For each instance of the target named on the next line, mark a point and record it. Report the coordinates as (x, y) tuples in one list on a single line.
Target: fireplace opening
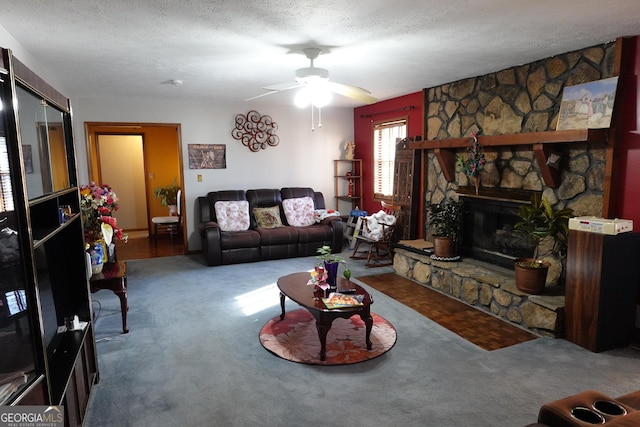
[(488, 228)]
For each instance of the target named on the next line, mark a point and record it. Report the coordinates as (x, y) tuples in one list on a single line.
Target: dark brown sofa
[(591, 408), (257, 244)]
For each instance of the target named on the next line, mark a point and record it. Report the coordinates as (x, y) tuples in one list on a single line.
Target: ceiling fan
[(316, 77)]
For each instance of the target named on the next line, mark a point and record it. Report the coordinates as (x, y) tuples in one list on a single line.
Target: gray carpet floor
[(193, 358)]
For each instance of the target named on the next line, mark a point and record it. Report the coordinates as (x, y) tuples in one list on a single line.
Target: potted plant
[(538, 221), (168, 196), (330, 262), (446, 219)]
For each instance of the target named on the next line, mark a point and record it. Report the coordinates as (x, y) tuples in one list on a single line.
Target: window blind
[(6, 194), (385, 137)]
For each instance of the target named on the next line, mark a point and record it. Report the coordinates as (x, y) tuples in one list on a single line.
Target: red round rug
[(296, 339)]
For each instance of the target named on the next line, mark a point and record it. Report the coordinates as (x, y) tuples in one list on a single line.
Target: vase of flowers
[(97, 204), (330, 263), (472, 162), (96, 255)]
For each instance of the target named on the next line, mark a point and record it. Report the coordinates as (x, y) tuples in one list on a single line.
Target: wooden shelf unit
[(341, 182), (46, 283)]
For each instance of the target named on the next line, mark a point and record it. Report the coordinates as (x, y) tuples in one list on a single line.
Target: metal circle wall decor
[(255, 131)]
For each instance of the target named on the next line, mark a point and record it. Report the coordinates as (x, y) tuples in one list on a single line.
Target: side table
[(114, 278)]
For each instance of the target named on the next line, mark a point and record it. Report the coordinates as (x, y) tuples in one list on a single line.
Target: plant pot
[(531, 275), (444, 247), (173, 210)]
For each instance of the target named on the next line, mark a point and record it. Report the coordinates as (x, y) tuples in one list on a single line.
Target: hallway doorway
[(121, 164), (135, 159)]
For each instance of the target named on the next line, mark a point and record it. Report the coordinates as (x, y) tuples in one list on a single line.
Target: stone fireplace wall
[(517, 100), (525, 98)]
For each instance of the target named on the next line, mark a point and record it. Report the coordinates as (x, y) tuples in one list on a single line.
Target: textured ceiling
[(229, 49)]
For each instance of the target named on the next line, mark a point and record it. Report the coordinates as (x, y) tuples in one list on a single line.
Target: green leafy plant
[(168, 195), (539, 220), (347, 274), (446, 218), (326, 256)]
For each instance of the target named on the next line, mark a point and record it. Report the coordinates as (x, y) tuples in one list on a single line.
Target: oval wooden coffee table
[(295, 287)]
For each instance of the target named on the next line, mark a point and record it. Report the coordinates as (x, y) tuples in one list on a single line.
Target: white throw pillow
[(232, 215), (299, 211)]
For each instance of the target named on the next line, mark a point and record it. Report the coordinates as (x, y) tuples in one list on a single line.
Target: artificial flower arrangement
[(97, 203), (319, 278), (473, 161)]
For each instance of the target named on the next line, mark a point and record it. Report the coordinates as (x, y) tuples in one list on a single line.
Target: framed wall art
[(207, 156), (587, 105)]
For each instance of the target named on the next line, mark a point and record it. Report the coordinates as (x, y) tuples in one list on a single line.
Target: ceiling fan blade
[(353, 92), (283, 86), (277, 88), (261, 95)]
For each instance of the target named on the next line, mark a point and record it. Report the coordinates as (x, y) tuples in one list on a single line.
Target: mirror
[(43, 139)]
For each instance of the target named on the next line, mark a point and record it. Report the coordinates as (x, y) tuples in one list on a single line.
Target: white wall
[(302, 158)]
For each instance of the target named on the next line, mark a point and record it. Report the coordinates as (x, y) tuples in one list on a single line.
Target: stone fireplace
[(516, 109), (488, 227)]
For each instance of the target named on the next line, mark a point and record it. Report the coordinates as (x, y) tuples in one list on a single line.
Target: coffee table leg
[(282, 305), (323, 329), (368, 321)]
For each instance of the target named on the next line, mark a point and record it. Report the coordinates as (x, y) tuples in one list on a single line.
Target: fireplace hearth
[(488, 226)]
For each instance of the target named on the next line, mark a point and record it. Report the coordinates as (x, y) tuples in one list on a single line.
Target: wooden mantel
[(541, 142)]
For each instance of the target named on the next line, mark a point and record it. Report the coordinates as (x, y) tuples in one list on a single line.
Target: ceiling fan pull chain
[(319, 117), (312, 127)]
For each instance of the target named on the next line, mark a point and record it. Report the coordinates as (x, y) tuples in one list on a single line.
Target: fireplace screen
[(488, 231)]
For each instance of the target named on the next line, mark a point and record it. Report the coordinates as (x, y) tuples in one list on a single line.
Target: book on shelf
[(338, 300)]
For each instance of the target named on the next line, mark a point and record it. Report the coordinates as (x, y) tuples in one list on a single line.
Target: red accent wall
[(363, 117), (628, 187), (628, 190)]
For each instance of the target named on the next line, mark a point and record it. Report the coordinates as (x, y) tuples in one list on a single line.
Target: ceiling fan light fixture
[(316, 95), (302, 98), (321, 97), (311, 74)]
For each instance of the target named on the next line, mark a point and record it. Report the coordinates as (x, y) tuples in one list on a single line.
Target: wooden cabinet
[(405, 185), (43, 282), (348, 184), (603, 273)]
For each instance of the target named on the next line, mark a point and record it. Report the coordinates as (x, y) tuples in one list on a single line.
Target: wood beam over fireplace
[(445, 149)]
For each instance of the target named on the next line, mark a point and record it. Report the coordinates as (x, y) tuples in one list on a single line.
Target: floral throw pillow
[(268, 217), (232, 215), (299, 211)]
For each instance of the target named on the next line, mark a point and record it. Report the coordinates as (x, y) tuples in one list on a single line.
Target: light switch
[(199, 178)]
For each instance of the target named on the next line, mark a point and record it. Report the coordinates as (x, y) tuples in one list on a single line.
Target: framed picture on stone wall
[(587, 105)]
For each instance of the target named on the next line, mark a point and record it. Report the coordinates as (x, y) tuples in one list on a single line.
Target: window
[(385, 138), (6, 196)]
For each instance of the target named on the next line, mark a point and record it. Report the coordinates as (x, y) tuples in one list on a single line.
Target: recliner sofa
[(278, 239), (591, 408)]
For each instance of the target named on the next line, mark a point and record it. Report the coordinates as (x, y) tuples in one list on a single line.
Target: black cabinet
[(603, 273), (43, 277)]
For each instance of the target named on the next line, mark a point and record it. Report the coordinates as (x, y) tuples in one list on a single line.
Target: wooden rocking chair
[(380, 250)]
